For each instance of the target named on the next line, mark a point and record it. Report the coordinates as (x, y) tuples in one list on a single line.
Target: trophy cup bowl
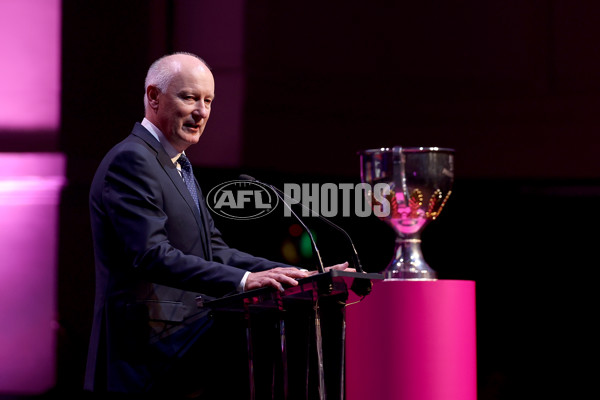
[(407, 188)]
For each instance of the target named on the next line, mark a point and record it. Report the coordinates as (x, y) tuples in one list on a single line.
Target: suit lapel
[(175, 177), (205, 219)]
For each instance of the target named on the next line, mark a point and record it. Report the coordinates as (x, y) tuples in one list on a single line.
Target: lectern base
[(295, 339)]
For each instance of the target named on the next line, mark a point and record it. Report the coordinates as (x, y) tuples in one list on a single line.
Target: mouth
[(191, 126)]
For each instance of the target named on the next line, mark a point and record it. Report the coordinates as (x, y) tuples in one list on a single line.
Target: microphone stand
[(279, 193), (320, 267)]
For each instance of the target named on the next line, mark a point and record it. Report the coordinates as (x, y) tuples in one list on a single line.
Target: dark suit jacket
[(154, 253)]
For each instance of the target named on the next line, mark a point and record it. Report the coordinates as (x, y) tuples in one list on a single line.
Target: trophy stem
[(408, 263)]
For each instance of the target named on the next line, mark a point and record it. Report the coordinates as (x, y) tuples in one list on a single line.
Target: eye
[(187, 97)]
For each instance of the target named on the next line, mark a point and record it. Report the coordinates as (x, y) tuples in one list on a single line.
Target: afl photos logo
[(242, 199)]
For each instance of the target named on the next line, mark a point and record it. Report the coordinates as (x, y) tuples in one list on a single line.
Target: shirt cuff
[(242, 284)]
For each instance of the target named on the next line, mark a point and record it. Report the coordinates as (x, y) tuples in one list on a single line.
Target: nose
[(201, 110)]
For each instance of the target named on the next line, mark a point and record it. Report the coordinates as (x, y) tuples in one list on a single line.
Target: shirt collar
[(158, 135)]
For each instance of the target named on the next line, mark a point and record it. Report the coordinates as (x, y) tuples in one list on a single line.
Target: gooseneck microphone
[(320, 267), (279, 193)]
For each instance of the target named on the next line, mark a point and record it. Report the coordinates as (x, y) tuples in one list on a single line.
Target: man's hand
[(342, 267), (276, 277)]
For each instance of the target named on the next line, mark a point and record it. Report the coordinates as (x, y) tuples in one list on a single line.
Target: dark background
[(512, 86)]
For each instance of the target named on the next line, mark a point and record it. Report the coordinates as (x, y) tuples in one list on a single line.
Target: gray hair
[(162, 71)]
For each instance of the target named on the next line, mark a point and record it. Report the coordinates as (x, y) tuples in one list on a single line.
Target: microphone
[(320, 267), (279, 193)]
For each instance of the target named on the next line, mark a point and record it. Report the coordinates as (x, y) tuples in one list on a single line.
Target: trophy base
[(408, 263), (409, 273)]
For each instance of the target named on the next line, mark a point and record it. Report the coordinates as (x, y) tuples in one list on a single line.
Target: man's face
[(183, 109)]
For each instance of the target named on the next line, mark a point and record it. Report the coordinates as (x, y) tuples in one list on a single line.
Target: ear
[(152, 93)]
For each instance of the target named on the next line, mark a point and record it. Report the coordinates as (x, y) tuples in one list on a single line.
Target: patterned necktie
[(188, 177)]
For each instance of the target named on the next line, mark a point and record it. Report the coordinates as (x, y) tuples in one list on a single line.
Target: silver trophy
[(407, 187)]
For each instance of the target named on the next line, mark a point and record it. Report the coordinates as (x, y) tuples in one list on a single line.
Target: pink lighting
[(30, 186), (30, 66)]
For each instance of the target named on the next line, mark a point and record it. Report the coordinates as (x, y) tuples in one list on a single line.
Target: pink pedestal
[(413, 340)]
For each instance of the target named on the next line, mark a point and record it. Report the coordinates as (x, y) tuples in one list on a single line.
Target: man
[(157, 248)]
